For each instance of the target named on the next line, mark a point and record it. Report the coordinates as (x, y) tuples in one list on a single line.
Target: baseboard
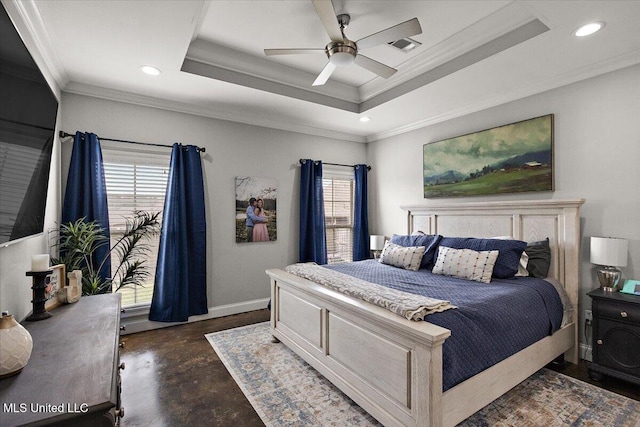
[(585, 352), (136, 319)]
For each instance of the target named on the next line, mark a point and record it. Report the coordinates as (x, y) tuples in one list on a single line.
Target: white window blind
[(136, 180), (338, 191)]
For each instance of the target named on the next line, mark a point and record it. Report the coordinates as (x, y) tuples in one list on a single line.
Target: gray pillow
[(539, 258)]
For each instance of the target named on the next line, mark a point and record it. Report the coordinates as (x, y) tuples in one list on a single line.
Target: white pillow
[(465, 263), (522, 265), (407, 257)]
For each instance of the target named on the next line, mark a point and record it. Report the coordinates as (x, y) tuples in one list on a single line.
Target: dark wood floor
[(174, 378)]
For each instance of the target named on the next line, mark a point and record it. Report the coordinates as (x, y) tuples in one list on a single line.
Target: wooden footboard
[(390, 366)]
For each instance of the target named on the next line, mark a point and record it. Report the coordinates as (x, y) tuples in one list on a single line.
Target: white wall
[(235, 270), (596, 149)]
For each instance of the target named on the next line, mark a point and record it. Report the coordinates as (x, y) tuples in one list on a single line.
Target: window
[(338, 189), (136, 181)]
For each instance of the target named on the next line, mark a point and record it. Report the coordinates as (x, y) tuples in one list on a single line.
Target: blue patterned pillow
[(429, 241), (509, 252)]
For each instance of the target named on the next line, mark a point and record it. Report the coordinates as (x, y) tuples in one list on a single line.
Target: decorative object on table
[(255, 212), (508, 159), (73, 291), (631, 287), (40, 262), (609, 253), (376, 243), (16, 347), (39, 287), (54, 283), (79, 241)]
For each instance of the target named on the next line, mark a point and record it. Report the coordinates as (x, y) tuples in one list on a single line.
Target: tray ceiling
[(473, 55)]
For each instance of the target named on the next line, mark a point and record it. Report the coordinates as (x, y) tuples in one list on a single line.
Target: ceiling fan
[(342, 51)]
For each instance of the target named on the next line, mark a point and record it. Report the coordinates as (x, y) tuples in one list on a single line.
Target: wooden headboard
[(529, 220)]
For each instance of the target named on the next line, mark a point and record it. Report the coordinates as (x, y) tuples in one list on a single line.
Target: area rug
[(285, 391)]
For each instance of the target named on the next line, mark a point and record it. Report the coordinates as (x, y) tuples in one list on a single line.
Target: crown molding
[(251, 69), (232, 115), (30, 26), (267, 85), (487, 50), (574, 76), (495, 26)]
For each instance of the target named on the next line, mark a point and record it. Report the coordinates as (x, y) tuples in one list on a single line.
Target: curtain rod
[(338, 164), (64, 134)]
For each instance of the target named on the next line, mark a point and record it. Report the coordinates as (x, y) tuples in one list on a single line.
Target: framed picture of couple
[(256, 209)]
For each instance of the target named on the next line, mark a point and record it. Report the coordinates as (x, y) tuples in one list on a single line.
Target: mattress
[(492, 321)]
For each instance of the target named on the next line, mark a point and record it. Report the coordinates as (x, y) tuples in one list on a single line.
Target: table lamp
[(376, 244), (609, 253)]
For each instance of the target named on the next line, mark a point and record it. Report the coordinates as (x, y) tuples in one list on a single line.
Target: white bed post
[(428, 379), (571, 281)]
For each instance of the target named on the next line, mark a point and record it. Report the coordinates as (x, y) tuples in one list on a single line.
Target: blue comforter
[(492, 322)]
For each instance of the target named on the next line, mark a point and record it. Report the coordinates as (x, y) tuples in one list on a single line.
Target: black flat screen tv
[(28, 110)]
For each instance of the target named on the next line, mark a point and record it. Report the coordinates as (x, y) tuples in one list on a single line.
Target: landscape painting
[(508, 159)]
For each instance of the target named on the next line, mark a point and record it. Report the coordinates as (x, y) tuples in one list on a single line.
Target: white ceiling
[(474, 55)]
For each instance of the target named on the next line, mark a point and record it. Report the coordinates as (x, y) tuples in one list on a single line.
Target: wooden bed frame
[(392, 367)]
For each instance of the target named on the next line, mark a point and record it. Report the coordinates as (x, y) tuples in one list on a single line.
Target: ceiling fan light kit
[(341, 51)]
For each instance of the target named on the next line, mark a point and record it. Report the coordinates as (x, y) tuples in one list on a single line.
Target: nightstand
[(616, 336)]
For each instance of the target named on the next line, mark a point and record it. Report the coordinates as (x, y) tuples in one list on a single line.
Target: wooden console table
[(73, 376)]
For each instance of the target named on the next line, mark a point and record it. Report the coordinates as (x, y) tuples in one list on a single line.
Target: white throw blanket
[(409, 306)]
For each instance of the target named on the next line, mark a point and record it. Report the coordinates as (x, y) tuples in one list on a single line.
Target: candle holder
[(39, 295)]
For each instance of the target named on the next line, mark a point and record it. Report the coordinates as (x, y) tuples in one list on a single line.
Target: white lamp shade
[(609, 251), (376, 243)]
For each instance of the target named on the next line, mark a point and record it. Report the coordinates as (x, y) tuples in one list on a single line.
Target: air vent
[(405, 44)]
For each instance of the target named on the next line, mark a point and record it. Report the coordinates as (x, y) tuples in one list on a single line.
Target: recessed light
[(152, 71), (588, 29), (365, 119)]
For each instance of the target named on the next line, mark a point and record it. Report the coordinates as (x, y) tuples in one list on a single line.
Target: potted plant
[(79, 240)]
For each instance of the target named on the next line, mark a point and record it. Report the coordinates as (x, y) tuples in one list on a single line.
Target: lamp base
[(609, 278)]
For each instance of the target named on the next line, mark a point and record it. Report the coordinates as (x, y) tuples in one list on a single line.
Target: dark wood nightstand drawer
[(616, 310)]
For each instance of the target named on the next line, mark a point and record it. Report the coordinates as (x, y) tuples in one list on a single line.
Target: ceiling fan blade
[(327, 14), (375, 67), (324, 74), (406, 29), (270, 52)]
